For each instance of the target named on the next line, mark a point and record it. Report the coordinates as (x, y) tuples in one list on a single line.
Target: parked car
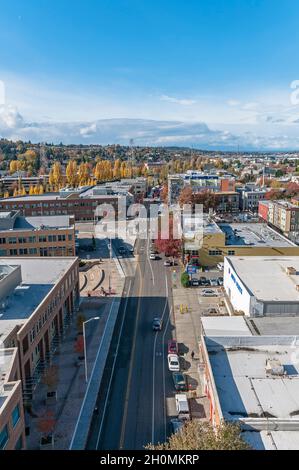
[(121, 250), (152, 256), (157, 324), (195, 282), (213, 282), (220, 281), (179, 381), (212, 311), (176, 425), (173, 363), (172, 346), (182, 406), (209, 293), (167, 262)]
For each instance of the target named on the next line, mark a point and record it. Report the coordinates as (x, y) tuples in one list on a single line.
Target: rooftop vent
[(274, 367), (291, 271)]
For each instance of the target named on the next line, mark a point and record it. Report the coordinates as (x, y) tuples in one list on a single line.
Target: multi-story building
[(7, 182), (198, 181), (236, 239), (82, 203), (283, 215), (36, 236), (250, 195), (38, 298), (12, 424)]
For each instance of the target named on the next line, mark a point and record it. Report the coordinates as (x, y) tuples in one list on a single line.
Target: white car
[(173, 363), (209, 293), (152, 256), (167, 262)]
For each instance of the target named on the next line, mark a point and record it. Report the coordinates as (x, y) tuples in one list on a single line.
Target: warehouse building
[(263, 285)]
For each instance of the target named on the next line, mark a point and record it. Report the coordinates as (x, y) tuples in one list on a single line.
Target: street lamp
[(84, 339)]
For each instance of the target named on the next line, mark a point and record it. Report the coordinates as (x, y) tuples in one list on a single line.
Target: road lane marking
[(124, 420), (164, 386), (113, 367), (154, 363)]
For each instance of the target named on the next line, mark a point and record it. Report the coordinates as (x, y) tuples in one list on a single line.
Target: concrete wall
[(236, 291)]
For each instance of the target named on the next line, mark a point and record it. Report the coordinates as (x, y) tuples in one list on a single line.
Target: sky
[(210, 73)]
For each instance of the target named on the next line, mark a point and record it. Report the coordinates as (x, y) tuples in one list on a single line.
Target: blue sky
[(226, 63)]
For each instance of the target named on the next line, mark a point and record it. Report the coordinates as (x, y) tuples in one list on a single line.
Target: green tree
[(185, 280), (200, 435)]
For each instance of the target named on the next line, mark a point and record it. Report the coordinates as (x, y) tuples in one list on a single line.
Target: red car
[(172, 347)]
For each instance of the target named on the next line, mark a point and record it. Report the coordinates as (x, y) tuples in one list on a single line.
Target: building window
[(13, 252), (32, 251), (231, 252), (3, 252), (70, 237), (19, 444), (15, 416), (215, 252), (3, 437), (12, 240), (2, 241)]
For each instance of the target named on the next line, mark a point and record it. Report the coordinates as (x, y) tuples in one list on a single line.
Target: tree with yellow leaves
[(6, 194), (72, 173), (13, 166), (83, 173), (116, 169), (56, 174), (41, 189), (15, 193), (31, 190)]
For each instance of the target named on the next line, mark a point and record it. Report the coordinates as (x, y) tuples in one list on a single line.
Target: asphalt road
[(132, 399)]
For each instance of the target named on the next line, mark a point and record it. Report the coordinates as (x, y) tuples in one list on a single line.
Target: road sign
[(191, 269)]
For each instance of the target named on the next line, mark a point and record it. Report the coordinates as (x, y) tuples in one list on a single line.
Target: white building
[(263, 285)]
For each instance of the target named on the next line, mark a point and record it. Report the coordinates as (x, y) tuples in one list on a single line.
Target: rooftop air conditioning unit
[(291, 271), (274, 367)]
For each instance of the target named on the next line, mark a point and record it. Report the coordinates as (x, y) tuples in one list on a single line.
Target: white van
[(182, 406)]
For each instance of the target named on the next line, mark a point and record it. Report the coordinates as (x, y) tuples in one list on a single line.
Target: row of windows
[(58, 205), (219, 252), (52, 306), (40, 239), (49, 251), (4, 433)]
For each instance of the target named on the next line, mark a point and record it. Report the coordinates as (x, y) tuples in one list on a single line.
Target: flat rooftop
[(266, 278), (253, 234), (245, 389), (33, 223), (88, 194), (221, 326), (39, 276)]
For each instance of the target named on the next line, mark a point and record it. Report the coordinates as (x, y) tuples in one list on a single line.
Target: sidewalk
[(188, 331), (71, 384)]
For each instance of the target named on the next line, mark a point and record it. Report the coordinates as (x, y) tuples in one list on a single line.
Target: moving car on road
[(153, 256), (167, 262), (173, 363), (179, 381), (157, 324)]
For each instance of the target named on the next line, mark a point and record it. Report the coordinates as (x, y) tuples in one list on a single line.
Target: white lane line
[(154, 363), (164, 385), (113, 367)]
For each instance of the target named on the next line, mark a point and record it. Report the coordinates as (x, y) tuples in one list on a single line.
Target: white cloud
[(233, 103), (182, 102), (89, 130)]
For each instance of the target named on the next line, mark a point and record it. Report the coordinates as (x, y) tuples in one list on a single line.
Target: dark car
[(195, 282), (220, 281), (179, 381), (176, 425), (121, 250), (157, 324)]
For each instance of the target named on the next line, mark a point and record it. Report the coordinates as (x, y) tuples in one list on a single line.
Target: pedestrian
[(192, 355)]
